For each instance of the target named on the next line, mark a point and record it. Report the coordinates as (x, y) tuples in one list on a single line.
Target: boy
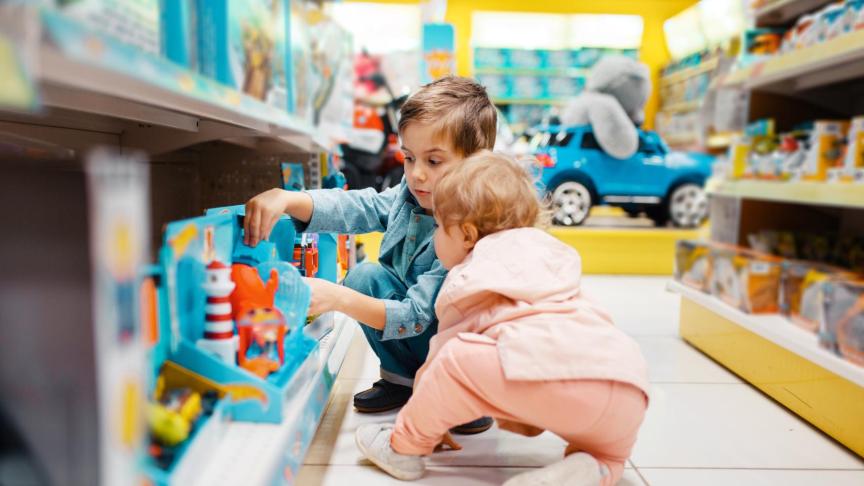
[(441, 124)]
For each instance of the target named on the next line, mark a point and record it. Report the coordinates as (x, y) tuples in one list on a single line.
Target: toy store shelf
[(781, 360), (682, 106), (778, 330), (690, 72), (833, 61), (571, 72), (528, 101), (819, 193), (781, 12), (85, 72), (258, 454)]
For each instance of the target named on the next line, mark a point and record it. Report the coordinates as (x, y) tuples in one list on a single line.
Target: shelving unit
[(272, 454), (782, 12), (768, 351), (690, 72), (817, 193), (528, 101), (780, 359)]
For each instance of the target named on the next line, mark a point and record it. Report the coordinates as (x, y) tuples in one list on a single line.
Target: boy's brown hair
[(491, 192), (460, 111)]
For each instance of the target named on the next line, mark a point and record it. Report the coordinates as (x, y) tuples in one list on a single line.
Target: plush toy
[(613, 104)]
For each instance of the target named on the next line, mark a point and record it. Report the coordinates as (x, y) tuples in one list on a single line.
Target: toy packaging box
[(527, 86), (853, 164), (745, 279), (802, 291), (826, 150), (491, 58), (133, 22), (564, 86), (693, 264), (179, 32), (237, 43), (497, 85), (842, 329), (527, 59)]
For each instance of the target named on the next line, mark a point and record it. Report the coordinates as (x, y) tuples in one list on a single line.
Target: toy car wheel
[(571, 203), (688, 205)]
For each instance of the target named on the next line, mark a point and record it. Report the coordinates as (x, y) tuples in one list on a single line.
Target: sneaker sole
[(377, 410), (385, 467), (472, 430)]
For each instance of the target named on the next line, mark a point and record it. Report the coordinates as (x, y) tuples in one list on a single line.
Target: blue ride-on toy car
[(577, 174)]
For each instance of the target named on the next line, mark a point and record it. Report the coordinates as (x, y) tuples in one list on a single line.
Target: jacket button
[(418, 328), (401, 330), (416, 219)]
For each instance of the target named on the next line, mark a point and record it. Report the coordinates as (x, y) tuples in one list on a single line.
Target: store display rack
[(782, 12), (780, 359), (840, 59), (250, 453), (685, 74), (816, 193)]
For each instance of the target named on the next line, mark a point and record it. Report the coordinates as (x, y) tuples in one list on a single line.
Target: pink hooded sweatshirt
[(520, 289)]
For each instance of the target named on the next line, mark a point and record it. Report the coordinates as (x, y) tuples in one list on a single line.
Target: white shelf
[(837, 60), (818, 193), (778, 330), (685, 74), (782, 12), (254, 454)]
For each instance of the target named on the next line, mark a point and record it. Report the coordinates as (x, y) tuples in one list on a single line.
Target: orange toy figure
[(262, 334), (250, 292)]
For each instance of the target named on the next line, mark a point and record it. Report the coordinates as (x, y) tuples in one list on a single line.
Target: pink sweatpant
[(465, 381)]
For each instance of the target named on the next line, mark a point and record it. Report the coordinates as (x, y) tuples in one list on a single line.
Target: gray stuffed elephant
[(613, 104)]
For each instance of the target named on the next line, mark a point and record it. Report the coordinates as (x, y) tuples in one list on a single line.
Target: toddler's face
[(426, 160), (451, 246)]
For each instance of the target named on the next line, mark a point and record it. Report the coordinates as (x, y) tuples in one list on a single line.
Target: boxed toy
[(497, 85), (693, 264), (527, 58), (802, 291), (842, 329), (491, 58), (179, 27), (298, 60), (559, 59), (826, 150), (586, 57), (527, 86), (853, 164), (133, 22), (564, 86), (237, 43), (745, 279)]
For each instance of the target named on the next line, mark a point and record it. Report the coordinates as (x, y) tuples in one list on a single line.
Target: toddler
[(517, 340)]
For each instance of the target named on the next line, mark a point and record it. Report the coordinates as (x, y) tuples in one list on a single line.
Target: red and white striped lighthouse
[(219, 337)]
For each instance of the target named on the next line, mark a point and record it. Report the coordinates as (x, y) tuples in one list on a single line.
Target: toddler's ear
[(471, 235)]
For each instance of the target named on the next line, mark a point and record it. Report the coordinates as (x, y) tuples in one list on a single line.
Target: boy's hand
[(326, 296), (262, 213)]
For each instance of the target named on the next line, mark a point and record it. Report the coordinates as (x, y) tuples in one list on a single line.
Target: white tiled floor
[(704, 426)]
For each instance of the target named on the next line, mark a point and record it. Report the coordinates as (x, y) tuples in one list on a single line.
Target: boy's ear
[(471, 235)]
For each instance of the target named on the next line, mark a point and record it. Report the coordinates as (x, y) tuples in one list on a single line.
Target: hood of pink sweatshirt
[(521, 290)]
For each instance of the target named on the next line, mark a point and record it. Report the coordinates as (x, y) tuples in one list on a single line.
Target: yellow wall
[(654, 12)]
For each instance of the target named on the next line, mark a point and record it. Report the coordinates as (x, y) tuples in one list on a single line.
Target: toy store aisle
[(704, 426)]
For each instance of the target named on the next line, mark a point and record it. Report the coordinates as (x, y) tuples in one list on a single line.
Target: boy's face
[(426, 160), (451, 246)]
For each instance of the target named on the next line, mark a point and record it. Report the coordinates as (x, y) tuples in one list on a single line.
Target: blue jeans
[(400, 358)]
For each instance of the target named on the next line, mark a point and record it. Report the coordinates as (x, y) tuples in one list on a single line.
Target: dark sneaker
[(474, 427), (381, 397)]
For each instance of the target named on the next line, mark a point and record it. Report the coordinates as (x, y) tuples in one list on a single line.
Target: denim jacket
[(407, 249)]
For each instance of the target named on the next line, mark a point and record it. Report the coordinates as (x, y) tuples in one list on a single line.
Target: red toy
[(262, 336), (250, 292)]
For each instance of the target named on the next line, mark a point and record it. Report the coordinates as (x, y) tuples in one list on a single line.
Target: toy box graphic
[(438, 47), (237, 43), (133, 22)]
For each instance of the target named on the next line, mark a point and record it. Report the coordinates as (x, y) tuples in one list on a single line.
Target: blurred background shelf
[(782, 12), (817, 193)]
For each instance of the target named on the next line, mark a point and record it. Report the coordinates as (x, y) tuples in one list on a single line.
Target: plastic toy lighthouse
[(219, 337)]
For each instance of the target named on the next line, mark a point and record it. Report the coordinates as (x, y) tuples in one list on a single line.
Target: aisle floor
[(704, 426)]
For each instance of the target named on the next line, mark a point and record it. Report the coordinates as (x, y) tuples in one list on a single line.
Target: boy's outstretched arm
[(264, 210), (327, 296)]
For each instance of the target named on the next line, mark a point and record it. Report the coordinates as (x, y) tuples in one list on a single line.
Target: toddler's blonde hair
[(490, 191)]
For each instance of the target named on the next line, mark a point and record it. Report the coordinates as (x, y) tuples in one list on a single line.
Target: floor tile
[(750, 477), (671, 360), (640, 306), (369, 475), (730, 426)]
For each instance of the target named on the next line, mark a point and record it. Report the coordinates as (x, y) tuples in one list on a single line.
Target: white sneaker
[(578, 469), (373, 440)]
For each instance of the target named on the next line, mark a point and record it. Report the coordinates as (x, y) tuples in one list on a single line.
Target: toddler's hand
[(262, 213), (447, 440), (325, 297)]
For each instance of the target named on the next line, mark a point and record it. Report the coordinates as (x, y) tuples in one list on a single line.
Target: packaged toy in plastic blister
[(745, 279), (802, 291), (842, 329), (826, 150), (693, 264)]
